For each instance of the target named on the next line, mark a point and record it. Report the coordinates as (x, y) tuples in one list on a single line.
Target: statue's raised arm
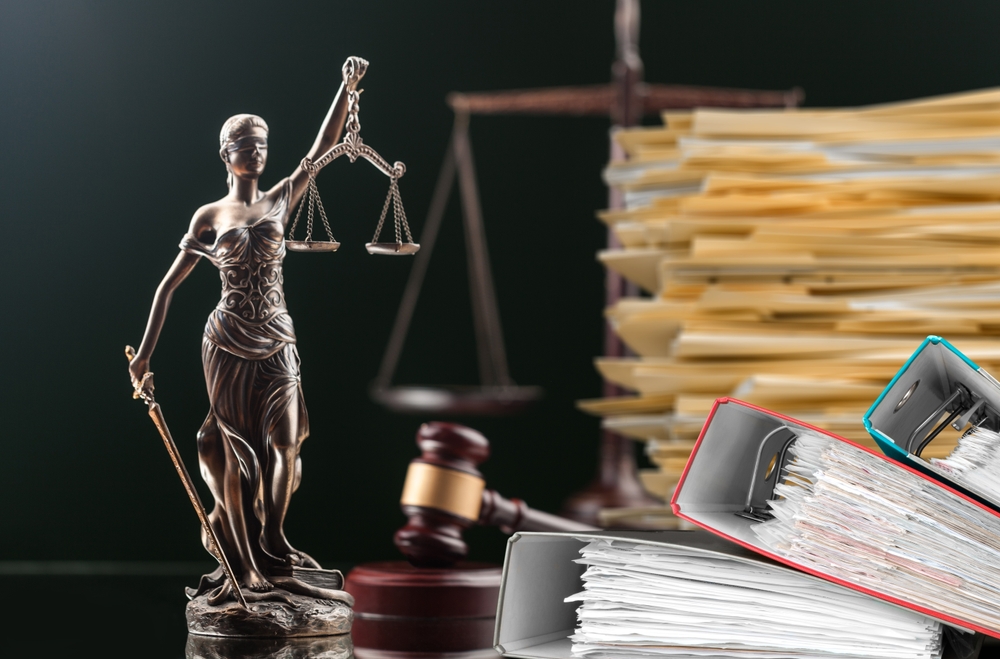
[(333, 126)]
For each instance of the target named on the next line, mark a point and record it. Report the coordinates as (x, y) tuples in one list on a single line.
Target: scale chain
[(400, 214), (385, 210), (394, 191), (322, 213), (311, 200), (311, 194), (295, 222), (400, 225)]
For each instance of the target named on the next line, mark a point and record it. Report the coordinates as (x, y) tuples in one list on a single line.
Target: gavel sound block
[(434, 603)]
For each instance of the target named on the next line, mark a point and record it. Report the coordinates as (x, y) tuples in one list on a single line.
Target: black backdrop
[(109, 115)]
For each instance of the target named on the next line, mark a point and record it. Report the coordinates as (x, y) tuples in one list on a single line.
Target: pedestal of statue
[(309, 611), (298, 615)]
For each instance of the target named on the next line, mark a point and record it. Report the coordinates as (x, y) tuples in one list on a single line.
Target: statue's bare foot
[(280, 548), (256, 582), (301, 559)]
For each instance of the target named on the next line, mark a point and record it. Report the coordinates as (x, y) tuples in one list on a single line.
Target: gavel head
[(442, 495)]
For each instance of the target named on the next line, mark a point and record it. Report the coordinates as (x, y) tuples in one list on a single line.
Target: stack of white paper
[(858, 517), (656, 600), (975, 462)]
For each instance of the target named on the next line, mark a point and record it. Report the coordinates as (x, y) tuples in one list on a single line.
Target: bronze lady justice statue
[(249, 444)]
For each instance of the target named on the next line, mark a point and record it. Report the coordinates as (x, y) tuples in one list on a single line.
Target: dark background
[(109, 117)]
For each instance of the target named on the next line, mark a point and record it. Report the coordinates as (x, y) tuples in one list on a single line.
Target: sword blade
[(156, 414)]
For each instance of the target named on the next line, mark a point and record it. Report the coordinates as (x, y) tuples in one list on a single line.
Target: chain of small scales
[(398, 214), (313, 201)]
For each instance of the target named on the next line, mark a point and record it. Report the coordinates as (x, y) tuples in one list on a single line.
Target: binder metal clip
[(765, 477), (962, 407)]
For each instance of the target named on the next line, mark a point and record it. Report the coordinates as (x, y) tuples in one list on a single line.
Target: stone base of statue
[(292, 615), (305, 602), (214, 647)]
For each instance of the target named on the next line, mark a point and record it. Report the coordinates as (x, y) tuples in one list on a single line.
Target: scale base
[(460, 400)]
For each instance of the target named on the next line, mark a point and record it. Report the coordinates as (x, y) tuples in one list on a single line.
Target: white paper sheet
[(853, 515), (656, 600)]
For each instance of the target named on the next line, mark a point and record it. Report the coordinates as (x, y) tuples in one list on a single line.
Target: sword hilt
[(143, 388)]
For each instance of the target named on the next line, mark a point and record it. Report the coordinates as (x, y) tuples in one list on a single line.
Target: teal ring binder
[(950, 385)]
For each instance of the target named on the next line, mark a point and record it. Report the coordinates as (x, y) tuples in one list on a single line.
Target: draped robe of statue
[(251, 370)]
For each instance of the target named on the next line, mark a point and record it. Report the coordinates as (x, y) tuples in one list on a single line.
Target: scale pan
[(311, 245), (393, 249), (460, 400)]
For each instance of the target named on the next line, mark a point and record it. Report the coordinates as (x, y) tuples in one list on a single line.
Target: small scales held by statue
[(249, 444)]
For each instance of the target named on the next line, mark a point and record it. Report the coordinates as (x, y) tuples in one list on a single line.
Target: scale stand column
[(485, 312), (617, 483)]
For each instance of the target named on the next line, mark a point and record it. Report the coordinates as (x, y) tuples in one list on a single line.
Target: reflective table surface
[(142, 617)]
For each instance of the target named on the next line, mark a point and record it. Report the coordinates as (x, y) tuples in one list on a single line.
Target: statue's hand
[(353, 71), (138, 371), (137, 368)]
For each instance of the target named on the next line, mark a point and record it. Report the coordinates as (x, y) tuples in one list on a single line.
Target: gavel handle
[(514, 515)]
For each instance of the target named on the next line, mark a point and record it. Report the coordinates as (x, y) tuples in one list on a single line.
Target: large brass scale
[(497, 393), (353, 147)]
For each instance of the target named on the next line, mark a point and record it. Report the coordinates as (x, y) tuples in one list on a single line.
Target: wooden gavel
[(444, 494)]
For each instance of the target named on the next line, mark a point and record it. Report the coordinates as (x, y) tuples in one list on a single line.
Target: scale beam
[(601, 100)]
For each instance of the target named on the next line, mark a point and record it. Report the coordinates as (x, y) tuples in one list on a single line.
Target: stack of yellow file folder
[(793, 258)]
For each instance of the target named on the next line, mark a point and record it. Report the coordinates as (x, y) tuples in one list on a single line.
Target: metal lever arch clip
[(963, 408), (761, 488)]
